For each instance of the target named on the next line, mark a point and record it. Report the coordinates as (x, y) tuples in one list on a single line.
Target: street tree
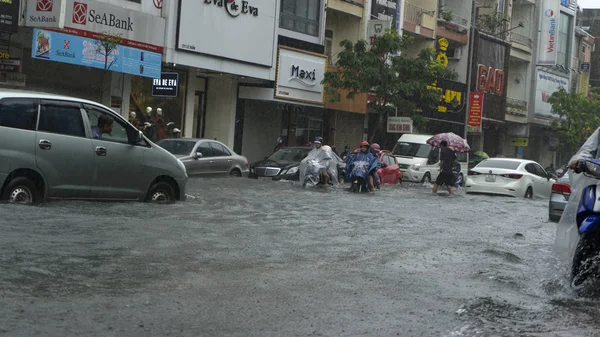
[(578, 117), (400, 84), (106, 47)]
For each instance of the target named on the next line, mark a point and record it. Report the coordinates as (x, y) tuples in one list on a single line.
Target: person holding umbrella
[(446, 176)]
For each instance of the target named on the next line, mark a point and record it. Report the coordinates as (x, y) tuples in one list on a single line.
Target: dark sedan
[(283, 164)]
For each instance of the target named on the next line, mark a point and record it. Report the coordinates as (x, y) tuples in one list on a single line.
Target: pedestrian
[(346, 152), (446, 176)]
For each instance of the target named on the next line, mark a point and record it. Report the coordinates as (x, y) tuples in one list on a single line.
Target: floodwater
[(245, 257)]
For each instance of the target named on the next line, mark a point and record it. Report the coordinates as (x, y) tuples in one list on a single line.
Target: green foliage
[(579, 115), (397, 81), (493, 23)]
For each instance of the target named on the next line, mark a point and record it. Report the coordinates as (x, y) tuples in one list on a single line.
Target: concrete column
[(194, 84), (119, 87), (221, 107)]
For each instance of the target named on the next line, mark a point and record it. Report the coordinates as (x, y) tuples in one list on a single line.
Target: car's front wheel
[(529, 193), (161, 192)]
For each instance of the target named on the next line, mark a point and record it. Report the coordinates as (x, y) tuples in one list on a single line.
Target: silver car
[(561, 191), (59, 147), (206, 157)]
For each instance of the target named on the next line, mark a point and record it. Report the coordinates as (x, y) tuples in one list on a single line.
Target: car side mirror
[(138, 136), (385, 165), (197, 155)]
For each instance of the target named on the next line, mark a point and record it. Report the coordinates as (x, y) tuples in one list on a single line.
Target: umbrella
[(455, 142)]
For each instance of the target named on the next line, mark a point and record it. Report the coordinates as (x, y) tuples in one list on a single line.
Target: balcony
[(451, 18), (352, 7), (419, 20), (521, 39), (452, 27), (517, 107)]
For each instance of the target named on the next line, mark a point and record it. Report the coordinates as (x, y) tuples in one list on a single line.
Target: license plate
[(490, 178)]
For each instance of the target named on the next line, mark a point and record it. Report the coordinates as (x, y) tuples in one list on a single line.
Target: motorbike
[(586, 258), (359, 177), (313, 175)]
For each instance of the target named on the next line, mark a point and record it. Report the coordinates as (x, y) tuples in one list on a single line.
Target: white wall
[(194, 84), (518, 72), (344, 27), (221, 109)]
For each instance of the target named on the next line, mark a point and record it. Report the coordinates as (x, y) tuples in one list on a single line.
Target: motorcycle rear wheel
[(586, 263)]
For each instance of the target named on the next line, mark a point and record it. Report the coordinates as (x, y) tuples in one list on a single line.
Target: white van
[(418, 161)]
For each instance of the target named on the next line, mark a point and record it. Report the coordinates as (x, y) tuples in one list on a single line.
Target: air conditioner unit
[(457, 55)]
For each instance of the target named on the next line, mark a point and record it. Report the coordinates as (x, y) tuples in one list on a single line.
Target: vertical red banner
[(475, 111)]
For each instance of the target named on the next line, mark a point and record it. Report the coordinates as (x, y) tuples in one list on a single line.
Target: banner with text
[(58, 47), (475, 112), (549, 33)]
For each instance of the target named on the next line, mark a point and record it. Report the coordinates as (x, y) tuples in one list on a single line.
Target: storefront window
[(310, 124), (301, 16), (157, 116)]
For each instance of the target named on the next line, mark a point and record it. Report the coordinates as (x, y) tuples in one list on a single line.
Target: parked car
[(509, 177), (419, 162), (389, 172), (48, 151), (561, 192), (283, 164), (206, 157)]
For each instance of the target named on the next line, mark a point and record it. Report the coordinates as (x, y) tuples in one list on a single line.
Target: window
[(406, 149), (18, 114), (530, 168), (539, 171), (301, 16), (500, 164), (218, 150), (177, 147), (205, 150), (564, 40), (329, 46), (390, 160), (119, 130), (61, 118)]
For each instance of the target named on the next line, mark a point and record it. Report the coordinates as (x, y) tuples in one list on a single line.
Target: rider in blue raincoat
[(362, 164)]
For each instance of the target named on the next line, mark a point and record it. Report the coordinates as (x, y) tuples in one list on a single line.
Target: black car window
[(64, 119), (177, 147), (205, 149), (218, 150), (18, 113), (540, 171), (530, 168)]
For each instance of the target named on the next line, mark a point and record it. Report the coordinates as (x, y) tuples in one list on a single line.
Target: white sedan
[(510, 177)]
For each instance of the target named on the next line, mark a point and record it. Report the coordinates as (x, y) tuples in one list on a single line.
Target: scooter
[(314, 174), (586, 260), (359, 177)]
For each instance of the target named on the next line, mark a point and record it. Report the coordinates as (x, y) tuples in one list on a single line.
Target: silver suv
[(58, 147)]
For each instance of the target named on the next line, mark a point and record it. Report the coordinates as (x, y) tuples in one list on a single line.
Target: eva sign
[(490, 80), (166, 86), (299, 75)]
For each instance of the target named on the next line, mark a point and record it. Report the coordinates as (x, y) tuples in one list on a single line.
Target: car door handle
[(101, 151), (45, 145), (212, 161), (229, 160)]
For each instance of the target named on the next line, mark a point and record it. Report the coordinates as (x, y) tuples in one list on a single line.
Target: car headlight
[(415, 167), (293, 170)]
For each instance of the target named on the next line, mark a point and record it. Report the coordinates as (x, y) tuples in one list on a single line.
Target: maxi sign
[(548, 33), (88, 17), (58, 47), (299, 76)]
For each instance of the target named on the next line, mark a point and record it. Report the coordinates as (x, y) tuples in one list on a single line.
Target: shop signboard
[(166, 86), (90, 19), (9, 15), (475, 112), (524, 142), (546, 85), (376, 29), (387, 10), (249, 37), (547, 50), (399, 125), (10, 66), (585, 67), (12, 79), (299, 75), (59, 47)]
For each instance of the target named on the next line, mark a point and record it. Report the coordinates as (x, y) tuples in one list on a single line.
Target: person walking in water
[(446, 176)]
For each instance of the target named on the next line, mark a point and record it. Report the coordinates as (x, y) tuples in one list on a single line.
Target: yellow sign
[(441, 56), (520, 142), (4, 55)]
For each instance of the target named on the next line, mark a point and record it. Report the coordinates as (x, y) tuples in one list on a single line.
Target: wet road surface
[(243, 257)]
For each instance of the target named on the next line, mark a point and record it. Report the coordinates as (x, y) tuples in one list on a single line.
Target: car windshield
[(499, 164), (290, 154), (177, 147), (407, 149)]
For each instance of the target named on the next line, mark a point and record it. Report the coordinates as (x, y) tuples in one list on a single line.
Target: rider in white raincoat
[(567, 234), (319, 160)]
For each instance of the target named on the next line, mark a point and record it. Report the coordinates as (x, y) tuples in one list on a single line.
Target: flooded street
[(244, 257)]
